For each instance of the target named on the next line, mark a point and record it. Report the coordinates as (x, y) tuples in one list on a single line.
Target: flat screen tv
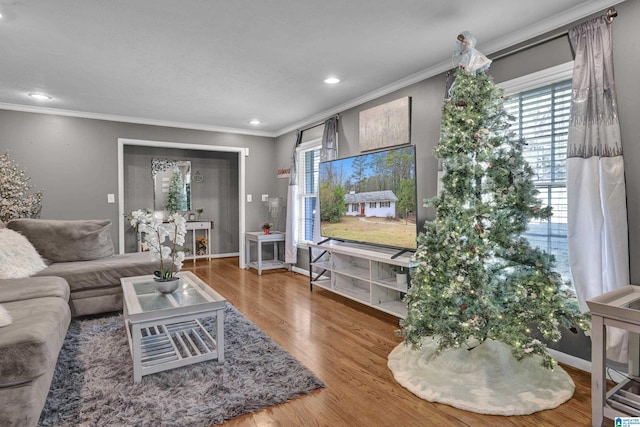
[(370, 198)]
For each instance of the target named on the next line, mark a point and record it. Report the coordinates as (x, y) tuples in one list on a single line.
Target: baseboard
[(570, 360), (229, 255), (300, 270)]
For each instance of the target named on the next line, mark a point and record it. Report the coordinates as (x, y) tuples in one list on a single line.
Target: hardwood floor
[(346, 345)]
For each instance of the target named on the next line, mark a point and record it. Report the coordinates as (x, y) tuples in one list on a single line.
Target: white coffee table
[(164, 330)]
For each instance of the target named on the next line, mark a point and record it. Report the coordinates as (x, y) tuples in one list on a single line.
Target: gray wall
[(75, 161), (627, 64)]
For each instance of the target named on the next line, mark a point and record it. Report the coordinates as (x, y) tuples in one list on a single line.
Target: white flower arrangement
[(157, 232), (15, 200)]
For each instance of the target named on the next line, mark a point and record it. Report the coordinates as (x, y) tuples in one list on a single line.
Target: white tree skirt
[(487, 379)]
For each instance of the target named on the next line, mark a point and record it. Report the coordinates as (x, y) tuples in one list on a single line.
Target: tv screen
[(370, 198)]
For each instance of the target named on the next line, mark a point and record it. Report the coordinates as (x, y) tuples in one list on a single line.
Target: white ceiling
[(214, 64)]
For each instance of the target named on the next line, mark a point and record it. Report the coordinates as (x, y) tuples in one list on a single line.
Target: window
[(372, 205), (308, 160), (385, 204), (542, 119)]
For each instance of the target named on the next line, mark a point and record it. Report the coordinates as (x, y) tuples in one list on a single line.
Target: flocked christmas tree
[(477, 278), (15, 200)]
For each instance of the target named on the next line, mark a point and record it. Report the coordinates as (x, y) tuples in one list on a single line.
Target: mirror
[(171, 185)]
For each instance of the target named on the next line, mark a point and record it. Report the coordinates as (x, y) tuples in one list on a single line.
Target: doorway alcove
[(219, 190)]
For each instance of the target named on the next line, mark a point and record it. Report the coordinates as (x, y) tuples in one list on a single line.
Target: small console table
[(258, 237), (619, 308), (193, 227)]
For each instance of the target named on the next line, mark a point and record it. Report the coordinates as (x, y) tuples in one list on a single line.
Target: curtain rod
[(610, 14), (320, 123)]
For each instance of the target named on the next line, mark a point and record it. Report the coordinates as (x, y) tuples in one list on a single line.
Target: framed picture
[(192, 217), (386, 125), (284, 173)]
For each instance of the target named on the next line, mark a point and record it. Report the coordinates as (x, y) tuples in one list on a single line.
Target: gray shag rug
[(93, 381)]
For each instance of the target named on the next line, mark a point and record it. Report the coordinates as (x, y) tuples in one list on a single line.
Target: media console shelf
[(363, 273)]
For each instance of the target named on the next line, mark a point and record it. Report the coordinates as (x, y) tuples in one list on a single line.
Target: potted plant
[(170, 256), (266, 227), (201, 245)]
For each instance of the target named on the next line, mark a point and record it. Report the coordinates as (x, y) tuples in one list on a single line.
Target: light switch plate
[(265, 197), (111, 198), (249, 198)]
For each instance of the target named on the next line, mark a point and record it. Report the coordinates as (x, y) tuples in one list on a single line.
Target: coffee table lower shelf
[(167, 346)]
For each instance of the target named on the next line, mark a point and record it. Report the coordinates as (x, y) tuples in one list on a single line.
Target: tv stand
[(362, 273)]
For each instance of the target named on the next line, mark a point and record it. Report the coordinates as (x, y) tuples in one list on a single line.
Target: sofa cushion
[(102, 273), (5, 317), (29, 346), (66, 241), (18, 257), (33, 287)]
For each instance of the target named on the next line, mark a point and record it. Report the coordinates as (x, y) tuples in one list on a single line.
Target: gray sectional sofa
[(81, 276), (82, 253), (29, 346)]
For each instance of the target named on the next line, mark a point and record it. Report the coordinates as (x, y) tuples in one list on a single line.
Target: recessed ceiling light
[(332, 80), (40, 96), (254, 122)]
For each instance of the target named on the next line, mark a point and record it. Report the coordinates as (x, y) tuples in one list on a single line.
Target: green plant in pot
[(170, 255)]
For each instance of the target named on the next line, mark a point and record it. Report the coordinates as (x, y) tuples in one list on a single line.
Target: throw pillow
[(18, 257), (67, 241), (5, 317)]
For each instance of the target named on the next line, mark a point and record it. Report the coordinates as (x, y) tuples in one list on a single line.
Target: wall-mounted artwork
[(386, 125), (284, 173)]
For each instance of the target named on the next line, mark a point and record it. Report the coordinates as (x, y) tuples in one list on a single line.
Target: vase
[(266, 231), (401, 279), (166, 286)]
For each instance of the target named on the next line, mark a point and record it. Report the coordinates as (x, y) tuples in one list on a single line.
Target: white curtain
[(597, 221), (291, 236), (329, 151)]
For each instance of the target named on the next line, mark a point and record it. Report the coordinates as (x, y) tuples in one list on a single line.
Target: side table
[(619, 308), (259, 238)]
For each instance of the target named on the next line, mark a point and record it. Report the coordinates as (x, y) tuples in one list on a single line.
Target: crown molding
[(548, 25), (128, 119), (543, 27)]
